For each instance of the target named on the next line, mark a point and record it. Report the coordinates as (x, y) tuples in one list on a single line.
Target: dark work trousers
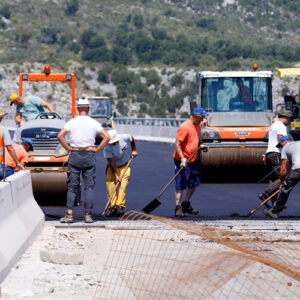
[(81, 162), (273, 164), (290, 181)]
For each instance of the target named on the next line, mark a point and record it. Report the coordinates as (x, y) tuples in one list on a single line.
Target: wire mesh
[(184, 260)]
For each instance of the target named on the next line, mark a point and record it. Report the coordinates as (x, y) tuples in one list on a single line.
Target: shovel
[(115, 188), (155, 203), (255, 209)]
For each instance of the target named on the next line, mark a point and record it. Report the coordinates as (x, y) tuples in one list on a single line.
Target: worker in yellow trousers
[(120, 149)]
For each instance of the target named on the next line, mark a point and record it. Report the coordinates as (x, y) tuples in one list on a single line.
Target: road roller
[(240, 108), (48, 162)]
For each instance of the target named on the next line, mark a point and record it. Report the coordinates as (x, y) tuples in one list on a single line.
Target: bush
[(103, 76), (74, 47), (138, 21), (151, 77), (99, 54), (121, 76), (72, 6), (177, 80), (122, 108), (5, 11), (143, 108)]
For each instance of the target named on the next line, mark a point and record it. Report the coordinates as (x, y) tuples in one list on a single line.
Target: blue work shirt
[(31, 108)]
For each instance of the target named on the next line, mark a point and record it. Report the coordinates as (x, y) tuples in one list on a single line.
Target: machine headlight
[(60, 151), (212, 135)]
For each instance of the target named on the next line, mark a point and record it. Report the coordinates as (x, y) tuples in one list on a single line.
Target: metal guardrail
[(160, 122)]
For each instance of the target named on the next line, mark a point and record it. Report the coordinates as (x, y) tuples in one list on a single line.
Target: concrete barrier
[(21, 219)]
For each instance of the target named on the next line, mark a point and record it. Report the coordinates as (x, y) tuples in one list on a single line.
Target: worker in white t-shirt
[(82, 132), (276, 131)]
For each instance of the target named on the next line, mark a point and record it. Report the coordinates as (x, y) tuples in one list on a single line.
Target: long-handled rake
[(115, 188), (155, 202), (255, 209)]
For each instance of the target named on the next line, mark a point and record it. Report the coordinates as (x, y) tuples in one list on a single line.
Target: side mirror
[(114, 114)]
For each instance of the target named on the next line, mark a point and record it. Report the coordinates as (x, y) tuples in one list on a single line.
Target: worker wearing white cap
[(82, 131), (120, 149)]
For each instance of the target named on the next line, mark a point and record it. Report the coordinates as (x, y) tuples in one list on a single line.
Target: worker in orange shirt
[(21, 151), (187, 141)]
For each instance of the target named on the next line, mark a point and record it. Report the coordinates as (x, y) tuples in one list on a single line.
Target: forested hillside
[(113, 38)]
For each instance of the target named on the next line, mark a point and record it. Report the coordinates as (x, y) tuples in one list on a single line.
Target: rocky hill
[(144, 53)]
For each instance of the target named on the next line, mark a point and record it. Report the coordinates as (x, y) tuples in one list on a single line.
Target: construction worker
[(29, 106), (276, 131), (244, 95), (290, 153), (22, 155), (19, 119), (118, 152), (82, 160), (187, 141), (6, 144)]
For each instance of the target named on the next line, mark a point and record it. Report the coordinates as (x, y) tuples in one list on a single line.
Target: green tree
[(5, 11), (138, 21), (102, 76), (122, 108), (72, 6)]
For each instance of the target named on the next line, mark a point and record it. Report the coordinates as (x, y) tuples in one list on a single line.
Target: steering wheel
[(48, 115)]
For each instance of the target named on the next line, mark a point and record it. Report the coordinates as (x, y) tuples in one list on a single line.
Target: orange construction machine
[(48, 161), (240, 110)]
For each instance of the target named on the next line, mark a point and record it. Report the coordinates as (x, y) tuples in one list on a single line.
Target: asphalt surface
[(152, 170)]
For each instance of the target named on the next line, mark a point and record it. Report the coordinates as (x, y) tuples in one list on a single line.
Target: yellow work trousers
[(119, 196)]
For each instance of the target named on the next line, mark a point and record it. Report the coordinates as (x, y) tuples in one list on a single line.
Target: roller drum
[(50, 187), (232, 165)]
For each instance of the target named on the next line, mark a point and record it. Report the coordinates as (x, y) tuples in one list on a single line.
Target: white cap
[(114, 137), (83, 102)]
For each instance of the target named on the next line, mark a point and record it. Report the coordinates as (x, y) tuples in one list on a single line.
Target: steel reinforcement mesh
[(172, 259)]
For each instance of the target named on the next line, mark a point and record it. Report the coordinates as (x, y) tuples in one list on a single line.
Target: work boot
[(119, 211), (262, 197), (187, 208), (113, 213), (88, 218), (67, 219), (270, 213), (178, 211)]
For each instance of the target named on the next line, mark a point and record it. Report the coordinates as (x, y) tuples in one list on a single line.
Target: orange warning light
[(255, 66), (47, 69)]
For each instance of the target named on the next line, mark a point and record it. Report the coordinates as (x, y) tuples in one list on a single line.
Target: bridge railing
[(149, 129), (160, 122)]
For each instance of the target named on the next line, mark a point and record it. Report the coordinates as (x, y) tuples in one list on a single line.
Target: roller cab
[(240, 108), (101, 110)]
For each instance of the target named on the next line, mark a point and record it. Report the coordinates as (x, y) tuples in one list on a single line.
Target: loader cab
[(235, 91), (101, 110)]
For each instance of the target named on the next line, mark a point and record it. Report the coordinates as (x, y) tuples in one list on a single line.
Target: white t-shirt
[(83, 131), (121, 152), (291, 151), (276, 128)]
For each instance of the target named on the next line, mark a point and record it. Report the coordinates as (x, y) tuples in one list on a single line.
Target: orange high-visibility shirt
[(190, 135), (21, 153)]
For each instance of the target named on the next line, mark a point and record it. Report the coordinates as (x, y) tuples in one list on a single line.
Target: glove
[(183, 163), (204, 148)]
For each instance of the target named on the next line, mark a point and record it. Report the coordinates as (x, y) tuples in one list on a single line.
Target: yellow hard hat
[(13, 97)]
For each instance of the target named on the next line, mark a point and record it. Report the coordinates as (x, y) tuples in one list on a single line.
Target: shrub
[(72, 6), (177, 80), (102, 76)]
